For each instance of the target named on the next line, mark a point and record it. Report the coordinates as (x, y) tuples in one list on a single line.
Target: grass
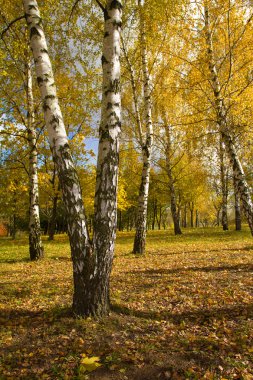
[(182, 311)]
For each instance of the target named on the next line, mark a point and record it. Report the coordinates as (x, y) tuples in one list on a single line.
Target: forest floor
[(182, 311)]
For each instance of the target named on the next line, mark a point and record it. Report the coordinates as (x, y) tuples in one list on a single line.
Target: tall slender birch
[(238, 222), (72, 197), (35, 243), (224, 187), (92, 261), (105, 219), (238, 172), (173, 201), (141, 222)]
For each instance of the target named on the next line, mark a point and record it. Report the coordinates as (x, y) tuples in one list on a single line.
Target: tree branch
[(10, 25), (100, 5), (73, 10)]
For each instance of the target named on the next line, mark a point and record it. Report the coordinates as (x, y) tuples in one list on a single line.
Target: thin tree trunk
[(52, 222), (197, 218), (154, 213), (224, 190), (14, 226), (185, 216), (35, 243), (159, 219), (238, 172), (218, 218), (191, 207), (141, 222), (173, 202), (238, 223)]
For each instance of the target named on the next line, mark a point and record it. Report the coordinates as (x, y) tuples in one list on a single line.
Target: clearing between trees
[(182, 311)]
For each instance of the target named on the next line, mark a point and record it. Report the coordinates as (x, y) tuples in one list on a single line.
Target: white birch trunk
[(91, 262), (173, 200), (224, 187), (135, 95), (35, 243), (141, 222), (105, 219), (72, 197), (238, 172)]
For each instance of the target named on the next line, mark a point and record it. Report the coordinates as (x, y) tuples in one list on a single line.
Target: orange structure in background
[(3, 230)]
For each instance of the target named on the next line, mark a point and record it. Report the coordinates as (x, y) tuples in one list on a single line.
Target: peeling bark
[(92, 261), (35, 244), (72, 197), (95, 293), (238, 172), (141, 222)]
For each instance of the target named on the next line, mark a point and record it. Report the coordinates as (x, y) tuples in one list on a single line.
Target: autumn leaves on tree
[(186, 71)]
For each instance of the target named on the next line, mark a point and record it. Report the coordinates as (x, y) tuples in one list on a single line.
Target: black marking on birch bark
[(45, 106), (109, 105), (40, 80), (55, 119), (30, 7), (49, 97), (115, 4), (44, 51), (117, 23), (106, 34), (104, 135), (106, 15), (104, 60), (114, 87), (34, 32)]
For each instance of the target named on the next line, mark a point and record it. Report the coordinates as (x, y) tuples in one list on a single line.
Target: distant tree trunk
[(159, 217), (191, 208), (184, 223), (218, 217), (154, 213), (173, 201), (238, 223), (120, 221), (141, 222), (238, 172), (35, 243), (14, 226), (224, 187), (197, 218), (52, 222)]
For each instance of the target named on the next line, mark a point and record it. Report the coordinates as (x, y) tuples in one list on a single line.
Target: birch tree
[(92, 260), (146, 144), (221, 112), (35, 243), (19, 126), (175, 212)]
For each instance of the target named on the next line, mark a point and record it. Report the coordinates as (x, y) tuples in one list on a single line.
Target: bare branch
[(10, 25), (100, 5)]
